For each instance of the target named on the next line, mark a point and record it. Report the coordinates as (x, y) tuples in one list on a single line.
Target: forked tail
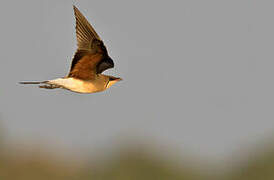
[(38, 82), (45, 85)]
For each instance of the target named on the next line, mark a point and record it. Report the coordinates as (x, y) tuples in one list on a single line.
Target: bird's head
[(113, 80)]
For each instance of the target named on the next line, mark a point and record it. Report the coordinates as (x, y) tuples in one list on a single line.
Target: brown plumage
[(85, 68), (89, 61), (91, 57)]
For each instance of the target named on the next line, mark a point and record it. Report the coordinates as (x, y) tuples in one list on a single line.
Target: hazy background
[(198, 75)]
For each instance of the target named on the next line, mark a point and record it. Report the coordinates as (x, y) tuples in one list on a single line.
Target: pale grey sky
[(198, 74)]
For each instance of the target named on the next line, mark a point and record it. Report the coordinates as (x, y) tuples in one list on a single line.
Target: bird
[(89, 61)]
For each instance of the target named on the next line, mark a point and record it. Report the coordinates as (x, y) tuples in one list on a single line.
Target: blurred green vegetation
[(126, 165), (138, 163), (259, 165)]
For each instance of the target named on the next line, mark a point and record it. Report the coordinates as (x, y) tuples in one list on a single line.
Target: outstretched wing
[(91, 56), (84, 31)]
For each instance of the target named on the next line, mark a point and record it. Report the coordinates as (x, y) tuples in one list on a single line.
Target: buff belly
[(78, 85)]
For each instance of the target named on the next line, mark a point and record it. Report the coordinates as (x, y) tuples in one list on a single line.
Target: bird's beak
[(119, 79), (113, 81)]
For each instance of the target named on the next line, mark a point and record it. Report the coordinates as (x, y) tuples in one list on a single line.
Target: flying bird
[(88, 63)]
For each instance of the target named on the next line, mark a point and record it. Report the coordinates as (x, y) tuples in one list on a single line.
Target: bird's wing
[(91, 56)]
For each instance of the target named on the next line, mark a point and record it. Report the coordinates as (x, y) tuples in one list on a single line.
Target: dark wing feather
[(89, 44), (84, 31)]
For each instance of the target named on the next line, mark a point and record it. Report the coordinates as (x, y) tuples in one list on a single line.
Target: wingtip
[(75, 8), (74, 3)]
